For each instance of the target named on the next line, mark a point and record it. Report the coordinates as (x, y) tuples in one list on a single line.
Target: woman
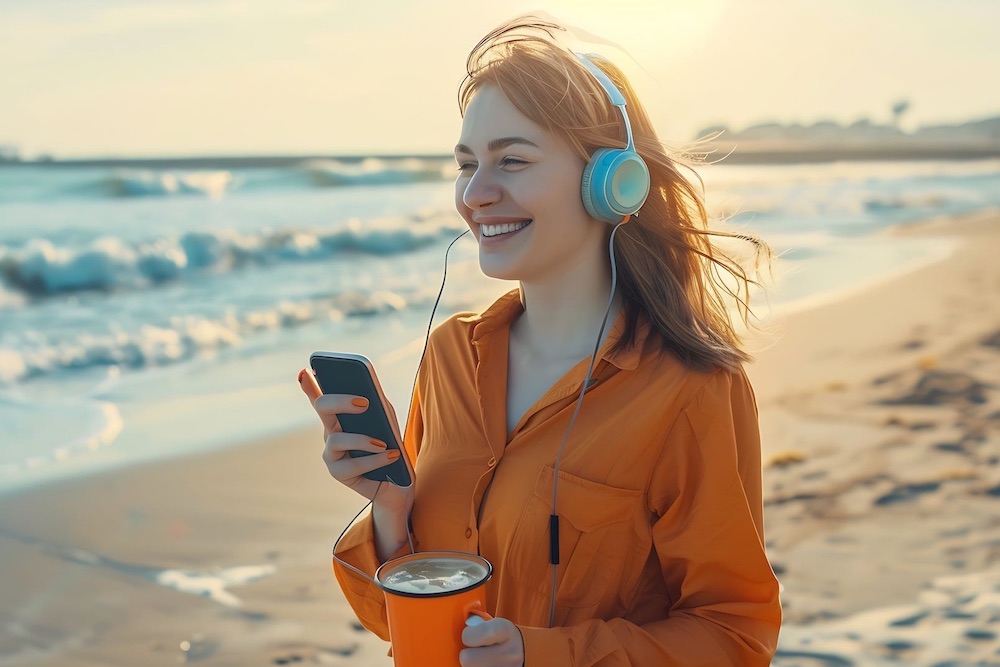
[(661, 543)]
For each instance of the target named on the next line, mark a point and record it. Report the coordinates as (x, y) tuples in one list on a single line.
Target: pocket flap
[(584, 503)]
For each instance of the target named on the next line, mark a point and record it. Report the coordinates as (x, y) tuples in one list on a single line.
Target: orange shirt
[(661, 530)]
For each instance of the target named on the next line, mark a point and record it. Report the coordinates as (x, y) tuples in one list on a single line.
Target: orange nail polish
[(360, 402), (393, 455), (378, 443)]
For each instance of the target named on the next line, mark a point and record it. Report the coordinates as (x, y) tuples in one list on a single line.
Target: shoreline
[(78, 553)]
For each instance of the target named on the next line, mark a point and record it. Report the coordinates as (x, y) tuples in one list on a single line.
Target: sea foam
[(43, 267), (185, 338)]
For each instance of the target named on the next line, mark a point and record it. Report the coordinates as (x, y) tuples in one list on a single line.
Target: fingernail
[(393, 455), (302, 376), (360, 402), (378, 443)]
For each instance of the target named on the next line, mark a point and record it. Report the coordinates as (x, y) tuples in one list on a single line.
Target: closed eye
[(505, 162)]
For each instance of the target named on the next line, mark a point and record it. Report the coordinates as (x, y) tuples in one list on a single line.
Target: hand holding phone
[(358, 421)]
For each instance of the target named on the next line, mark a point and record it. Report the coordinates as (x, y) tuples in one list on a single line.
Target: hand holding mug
[(493, 643)]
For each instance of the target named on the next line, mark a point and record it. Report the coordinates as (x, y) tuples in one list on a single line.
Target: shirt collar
[(504, 310)]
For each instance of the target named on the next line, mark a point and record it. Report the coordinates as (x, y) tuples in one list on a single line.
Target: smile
[(507, 228)]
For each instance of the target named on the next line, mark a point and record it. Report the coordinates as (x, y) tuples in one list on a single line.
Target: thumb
[(309, 385)]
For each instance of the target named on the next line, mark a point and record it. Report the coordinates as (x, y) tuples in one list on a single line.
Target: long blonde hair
[(668, 267)]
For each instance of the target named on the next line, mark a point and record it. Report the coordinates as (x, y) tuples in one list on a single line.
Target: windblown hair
[(668, 266)]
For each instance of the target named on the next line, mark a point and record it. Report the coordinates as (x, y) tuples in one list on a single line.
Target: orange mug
[(429, 596)]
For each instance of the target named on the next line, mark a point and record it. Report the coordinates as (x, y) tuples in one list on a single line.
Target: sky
[(101, 78)]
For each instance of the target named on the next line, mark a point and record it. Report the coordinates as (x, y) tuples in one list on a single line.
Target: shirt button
[(468, 532)]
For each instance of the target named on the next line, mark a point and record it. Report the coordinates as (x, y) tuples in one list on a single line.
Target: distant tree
[(898, 109)]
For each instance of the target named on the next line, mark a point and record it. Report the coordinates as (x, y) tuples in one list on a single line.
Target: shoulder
[(458, 332), (701, 401), (450, 349), (692, 391), (454, 333), (723, 389)]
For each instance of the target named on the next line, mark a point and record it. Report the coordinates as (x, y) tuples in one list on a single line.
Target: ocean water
[(147, 313)]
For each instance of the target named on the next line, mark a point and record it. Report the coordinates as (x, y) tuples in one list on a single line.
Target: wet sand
[(880, 415)]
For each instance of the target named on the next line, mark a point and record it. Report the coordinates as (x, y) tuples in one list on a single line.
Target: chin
[(499, 270)]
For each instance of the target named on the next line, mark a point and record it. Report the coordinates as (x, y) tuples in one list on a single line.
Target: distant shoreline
[(789, 152), (741, 153), (209, 162)]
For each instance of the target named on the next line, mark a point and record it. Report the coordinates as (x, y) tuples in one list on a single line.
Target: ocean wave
[(149, 183), (183, 338), (307, 174), (374, 171), (41, 267)]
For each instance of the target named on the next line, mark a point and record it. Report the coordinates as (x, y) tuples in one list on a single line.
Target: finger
[(338, 444), (347, 468), (486, 633), (330, 406), (312, 390), (482, 657), (309, 385)]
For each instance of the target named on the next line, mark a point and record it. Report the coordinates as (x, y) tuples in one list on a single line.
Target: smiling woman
[(614, 485)]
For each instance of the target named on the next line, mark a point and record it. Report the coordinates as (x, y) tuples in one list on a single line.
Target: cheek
[(560, 202)]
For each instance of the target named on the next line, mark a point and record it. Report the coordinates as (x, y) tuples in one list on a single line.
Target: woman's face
[(518, 189)]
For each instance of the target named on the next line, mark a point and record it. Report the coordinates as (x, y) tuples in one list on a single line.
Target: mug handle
[(476, 615)]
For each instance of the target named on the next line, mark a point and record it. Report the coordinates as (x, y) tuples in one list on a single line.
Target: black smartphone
[(342, 373)]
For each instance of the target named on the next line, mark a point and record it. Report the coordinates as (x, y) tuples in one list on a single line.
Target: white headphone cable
[(554, 517), (413, 389)]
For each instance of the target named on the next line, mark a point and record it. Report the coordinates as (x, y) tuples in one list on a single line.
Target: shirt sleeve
[(357, 547), (705, 497)]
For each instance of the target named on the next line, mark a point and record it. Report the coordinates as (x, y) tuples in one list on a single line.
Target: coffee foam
[(433, 576)]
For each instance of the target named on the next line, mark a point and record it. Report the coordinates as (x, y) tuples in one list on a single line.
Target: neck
[(562, 315)]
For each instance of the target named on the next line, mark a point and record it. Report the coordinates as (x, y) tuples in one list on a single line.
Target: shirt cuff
[(358, 549), (544, 647)]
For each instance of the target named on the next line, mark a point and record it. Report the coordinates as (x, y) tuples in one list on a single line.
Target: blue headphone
[(616, 180)]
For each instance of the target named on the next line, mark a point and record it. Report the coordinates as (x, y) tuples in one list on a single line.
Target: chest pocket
[(599, 527)]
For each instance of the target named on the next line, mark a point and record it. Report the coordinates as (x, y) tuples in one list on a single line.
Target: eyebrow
[(497, 144)]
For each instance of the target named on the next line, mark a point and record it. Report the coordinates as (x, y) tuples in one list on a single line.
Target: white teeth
[(506, 228)]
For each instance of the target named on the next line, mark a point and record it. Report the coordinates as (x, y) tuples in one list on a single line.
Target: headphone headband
[(609, 87)]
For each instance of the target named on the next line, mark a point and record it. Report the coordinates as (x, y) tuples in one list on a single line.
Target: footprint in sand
[(993, 340), (941, 387), (906, 492), (811, 659), (297, 654)]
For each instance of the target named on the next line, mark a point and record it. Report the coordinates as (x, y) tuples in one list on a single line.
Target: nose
[(482, 190)]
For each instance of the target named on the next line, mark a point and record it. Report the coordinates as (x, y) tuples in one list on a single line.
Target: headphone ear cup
[(615, 183), (588, 183)]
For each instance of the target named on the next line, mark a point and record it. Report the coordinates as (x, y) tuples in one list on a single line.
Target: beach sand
[(880, 415)]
